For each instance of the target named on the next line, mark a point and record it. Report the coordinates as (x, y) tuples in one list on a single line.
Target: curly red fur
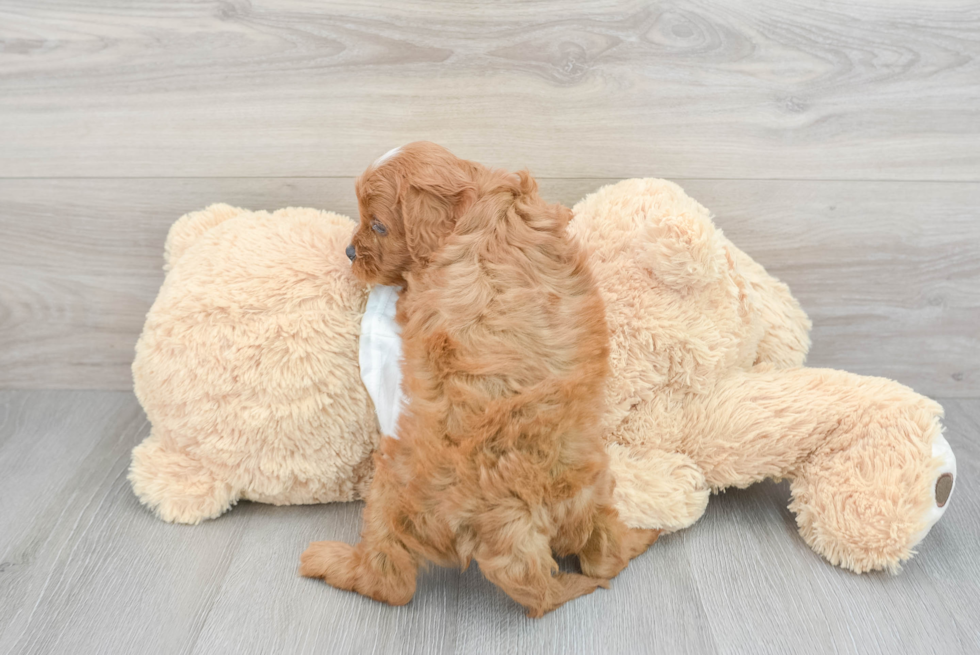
[(506, 347)]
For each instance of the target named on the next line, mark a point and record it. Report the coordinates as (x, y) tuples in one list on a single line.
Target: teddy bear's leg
[(866, 506), (177, 487), (859, 451), (657, 489)]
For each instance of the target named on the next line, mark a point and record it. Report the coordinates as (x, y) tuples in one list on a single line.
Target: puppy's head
[(409, 201)]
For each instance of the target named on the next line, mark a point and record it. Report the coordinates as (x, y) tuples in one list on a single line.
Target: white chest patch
[(380, 356)]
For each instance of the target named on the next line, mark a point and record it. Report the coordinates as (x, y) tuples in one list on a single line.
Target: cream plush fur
[(247, 369)]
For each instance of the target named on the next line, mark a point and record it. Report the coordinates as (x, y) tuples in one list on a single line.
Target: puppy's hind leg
[(379, 567), (516, 556), (612, 545)]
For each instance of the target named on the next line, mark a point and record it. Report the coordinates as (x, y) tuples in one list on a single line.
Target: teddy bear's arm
[(657, 488)]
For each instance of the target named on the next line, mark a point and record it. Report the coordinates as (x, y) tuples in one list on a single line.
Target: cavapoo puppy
[(498, 456)]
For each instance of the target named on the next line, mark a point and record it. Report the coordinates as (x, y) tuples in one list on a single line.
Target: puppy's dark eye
[(379, 228)]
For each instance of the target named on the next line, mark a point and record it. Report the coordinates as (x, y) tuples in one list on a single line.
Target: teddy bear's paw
[(178, 488), (657, 489), (942, 485)]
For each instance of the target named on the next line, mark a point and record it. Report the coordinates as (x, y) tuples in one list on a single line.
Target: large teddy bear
[(248, 371)]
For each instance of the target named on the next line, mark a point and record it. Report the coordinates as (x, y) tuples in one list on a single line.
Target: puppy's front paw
[(333, 562)]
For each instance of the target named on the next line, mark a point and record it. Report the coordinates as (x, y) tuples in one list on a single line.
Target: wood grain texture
[(889, 272), (85, 569), (606, 88)]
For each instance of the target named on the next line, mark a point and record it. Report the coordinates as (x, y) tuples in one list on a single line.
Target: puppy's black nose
[(351, 253)]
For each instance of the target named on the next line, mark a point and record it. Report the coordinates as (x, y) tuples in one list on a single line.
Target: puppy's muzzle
[(351, 252)]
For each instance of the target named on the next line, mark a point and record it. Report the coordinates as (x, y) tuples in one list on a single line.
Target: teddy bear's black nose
[(351, 253)]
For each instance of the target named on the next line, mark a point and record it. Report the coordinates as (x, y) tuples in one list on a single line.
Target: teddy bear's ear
[(682, 250), (189, 228)]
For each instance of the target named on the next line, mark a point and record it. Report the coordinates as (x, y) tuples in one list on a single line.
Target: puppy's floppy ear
[(428, 219), (430, 211)]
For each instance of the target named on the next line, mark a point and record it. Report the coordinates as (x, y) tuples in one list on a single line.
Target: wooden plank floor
[(837, 142), (85, 569)]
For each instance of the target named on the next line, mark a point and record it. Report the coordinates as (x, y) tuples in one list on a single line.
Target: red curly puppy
[(505, 355)]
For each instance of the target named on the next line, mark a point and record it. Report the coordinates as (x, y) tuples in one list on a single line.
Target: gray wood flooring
[(837, 142), (85, 569)]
